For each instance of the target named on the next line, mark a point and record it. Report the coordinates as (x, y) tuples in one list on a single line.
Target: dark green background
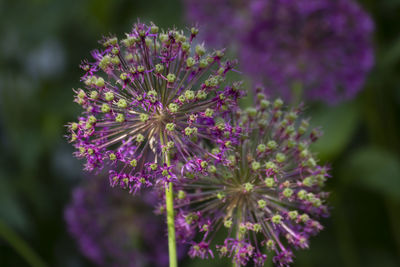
[(41, 45)]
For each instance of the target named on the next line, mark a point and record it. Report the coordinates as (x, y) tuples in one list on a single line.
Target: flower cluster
[(315, 49), (262, 188), (116, 229), (146, 95)]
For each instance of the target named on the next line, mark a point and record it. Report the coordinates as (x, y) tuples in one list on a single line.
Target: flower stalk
[(169, 203)]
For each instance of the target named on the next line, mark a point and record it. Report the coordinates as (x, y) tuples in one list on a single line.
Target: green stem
[(297, 93), (169, 203), (238, 234), (169, 199), (20, 246)]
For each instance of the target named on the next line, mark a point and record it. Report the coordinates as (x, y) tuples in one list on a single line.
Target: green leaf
[(338, 125), (375, 169)]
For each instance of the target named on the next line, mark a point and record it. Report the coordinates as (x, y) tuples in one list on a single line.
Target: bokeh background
[(41, 45)]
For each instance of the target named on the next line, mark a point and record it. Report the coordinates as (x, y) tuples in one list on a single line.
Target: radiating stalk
[(169, 203)]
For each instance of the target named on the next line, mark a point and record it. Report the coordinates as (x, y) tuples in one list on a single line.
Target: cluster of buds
[(262, 187), (151, 93)]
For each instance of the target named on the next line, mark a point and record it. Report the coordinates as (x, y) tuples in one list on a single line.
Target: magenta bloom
[(311, 49), (149, 93), (114, 229), (263, 189)]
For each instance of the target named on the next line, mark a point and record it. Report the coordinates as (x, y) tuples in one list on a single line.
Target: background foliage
[(41, 45)]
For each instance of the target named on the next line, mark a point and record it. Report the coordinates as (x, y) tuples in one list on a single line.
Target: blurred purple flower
[(116, 229), (312, 49)]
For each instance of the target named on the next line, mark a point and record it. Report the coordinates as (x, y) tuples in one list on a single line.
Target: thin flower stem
[(169, 199), (169, 203), (238, 234), (22, 248)]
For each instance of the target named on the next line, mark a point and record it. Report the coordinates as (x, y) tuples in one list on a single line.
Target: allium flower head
[(263, 191), (114, 229), (149, 93), (315, 49), (320, 47)]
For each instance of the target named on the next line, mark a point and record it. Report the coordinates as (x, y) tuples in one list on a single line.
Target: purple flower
[(312, 49), (263, 190), (114, 229), (221, 14), (146, 95)]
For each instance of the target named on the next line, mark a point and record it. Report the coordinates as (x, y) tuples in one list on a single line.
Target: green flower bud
[(109, 96), (287, 192), (190, 62), (81, 94), (270, 244), (194, 31), (262, 203), (293, 214), (181, 194), (272, 145), (242, 228), (261, 148), (220, 195), (122, 103), (302, 194), (228, 223), (115, 60), (74, 126), (203, 63), (308, 181), (248, 187), (209, 113), (92, 119), (170, 126), (139, 138), (144, 117), (159, 68), (173, 108), (215, 151), (278, 103), (304, 218), (212, 169), (154, 29), (153, 166), (189, 95), (171, 78), (269, 182), (280, 157), (257, 227), (255, 165), (94, 95), (120, 118), (188, 131), (185, 46), (105, 108), (277, 219), (264, 104), (200, 50), (133, 163)]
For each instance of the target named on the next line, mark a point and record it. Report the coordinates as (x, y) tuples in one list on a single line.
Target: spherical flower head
[(114, 229), (152, 93), (264, 190), (311, 49), (318, 49)]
